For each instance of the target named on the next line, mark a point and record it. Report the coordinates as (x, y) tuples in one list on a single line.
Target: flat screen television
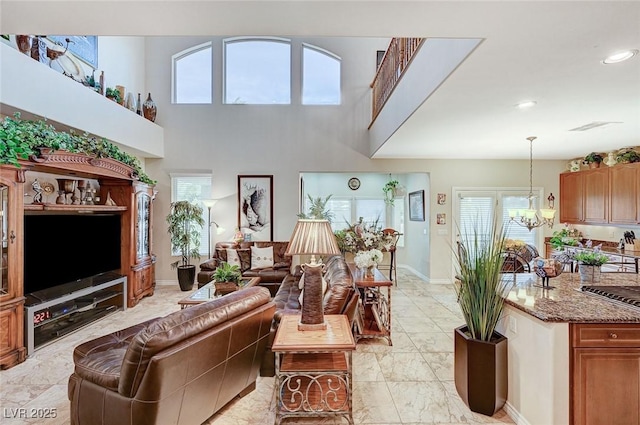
[(60, 249)]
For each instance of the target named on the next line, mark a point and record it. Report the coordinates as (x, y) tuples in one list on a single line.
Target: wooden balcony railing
[(395, 61)]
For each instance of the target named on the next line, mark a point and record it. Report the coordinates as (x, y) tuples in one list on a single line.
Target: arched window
[(257, 71), (320, 76), (192, 75)]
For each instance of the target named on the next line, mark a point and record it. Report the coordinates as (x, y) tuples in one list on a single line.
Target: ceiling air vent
[(594, 124)]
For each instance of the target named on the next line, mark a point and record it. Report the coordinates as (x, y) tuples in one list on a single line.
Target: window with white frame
[(257, 71), (193, 188), (192, 75), (320, 76), (478, 206)]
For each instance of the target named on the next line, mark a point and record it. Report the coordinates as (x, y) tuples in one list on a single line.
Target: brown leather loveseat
[(270, 277), (178, 369)]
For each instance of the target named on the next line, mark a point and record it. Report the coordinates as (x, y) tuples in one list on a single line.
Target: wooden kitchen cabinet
[(605, 374), (608, 195), (571, 197), (624, 186), (584, 196)]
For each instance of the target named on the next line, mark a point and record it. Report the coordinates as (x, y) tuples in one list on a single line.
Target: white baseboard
[(514, 414)]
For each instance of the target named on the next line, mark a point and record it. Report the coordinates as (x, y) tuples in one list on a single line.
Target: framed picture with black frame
[(416, 205), (255, 207)]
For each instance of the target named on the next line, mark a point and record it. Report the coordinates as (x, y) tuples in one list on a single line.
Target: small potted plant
[(627, 156), (185, 225), (589, 263), (226, 278), (594, 160), (113, 94)]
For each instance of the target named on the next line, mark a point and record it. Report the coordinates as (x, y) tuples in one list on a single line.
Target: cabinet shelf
[(80, 209), (96, 299)]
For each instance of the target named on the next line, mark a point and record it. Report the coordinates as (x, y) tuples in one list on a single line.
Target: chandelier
[(529, 217)]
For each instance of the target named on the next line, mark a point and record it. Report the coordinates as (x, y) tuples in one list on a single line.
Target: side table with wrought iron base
[(314, 369)]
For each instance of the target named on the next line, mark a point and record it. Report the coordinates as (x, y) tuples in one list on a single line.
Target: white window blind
[(478, 207), (193, 188)]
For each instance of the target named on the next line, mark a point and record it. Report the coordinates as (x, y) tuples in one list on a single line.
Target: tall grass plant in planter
[(480, 353), (185, 226)]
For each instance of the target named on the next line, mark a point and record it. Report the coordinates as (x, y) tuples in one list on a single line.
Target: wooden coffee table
[(208, 292)]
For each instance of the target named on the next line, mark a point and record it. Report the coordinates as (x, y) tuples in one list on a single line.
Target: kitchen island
[(543, 327)]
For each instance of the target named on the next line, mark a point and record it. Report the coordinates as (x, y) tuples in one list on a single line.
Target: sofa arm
[(102, 368), (210, 264)]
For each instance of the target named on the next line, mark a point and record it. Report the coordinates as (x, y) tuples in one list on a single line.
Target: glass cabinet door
[(4, 240), (143, 225)]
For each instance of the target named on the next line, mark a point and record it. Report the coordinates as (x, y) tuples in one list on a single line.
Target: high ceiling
[(550, 52)]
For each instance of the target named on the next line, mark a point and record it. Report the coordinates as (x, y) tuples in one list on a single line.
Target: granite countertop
[(566, 303)]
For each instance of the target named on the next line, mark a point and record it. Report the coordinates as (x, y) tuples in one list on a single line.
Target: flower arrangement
[(363, 237), (364, 259)]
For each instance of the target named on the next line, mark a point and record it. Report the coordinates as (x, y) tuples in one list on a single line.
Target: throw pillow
[(261, 258), (232, 257)]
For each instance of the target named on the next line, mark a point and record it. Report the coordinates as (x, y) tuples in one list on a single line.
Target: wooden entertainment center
[(133, 203)]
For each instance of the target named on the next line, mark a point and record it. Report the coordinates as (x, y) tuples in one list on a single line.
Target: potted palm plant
[(185, 226), (480, 352)]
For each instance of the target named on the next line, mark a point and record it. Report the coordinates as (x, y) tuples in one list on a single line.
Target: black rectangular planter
[(481, 371)]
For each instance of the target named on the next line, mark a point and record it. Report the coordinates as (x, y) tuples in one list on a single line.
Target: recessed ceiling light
[(620, 56), (527, 104)]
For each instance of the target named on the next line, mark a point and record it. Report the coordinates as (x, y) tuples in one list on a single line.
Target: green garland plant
[(23, 138)]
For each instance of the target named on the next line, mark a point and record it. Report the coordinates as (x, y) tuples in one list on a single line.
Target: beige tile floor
[(408, 383)]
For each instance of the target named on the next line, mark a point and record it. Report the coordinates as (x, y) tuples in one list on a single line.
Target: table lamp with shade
[(312, 237)]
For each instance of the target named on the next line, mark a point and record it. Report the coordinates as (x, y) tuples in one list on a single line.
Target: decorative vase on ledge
[(149, 109)]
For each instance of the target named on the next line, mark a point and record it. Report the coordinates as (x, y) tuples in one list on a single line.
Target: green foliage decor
[(23, 138), (317, 210), (185, 226), (591, 258), (389, 189), (226, 272), (593, 157), (567, 236), (114, 94), (481, 290), (628, 155)]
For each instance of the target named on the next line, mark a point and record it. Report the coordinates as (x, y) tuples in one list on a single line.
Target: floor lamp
[(313, 237), (209, 203)]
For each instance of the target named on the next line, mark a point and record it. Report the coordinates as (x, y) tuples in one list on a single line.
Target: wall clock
[(354, 183)]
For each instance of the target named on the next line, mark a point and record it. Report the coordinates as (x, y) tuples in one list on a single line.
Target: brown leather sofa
[(341, 297), (269, 277), (178, 369)]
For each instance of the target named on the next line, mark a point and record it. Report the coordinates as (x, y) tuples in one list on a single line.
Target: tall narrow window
[(320, 77), (192, 75), (257, 71), (193, 188)]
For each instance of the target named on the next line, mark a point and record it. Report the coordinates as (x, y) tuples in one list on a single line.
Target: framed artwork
[(84, 47), (441, 218), (416, 205), (255, 207), (442, 198)]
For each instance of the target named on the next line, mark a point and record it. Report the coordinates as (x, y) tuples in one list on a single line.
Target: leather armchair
[(177, 369)]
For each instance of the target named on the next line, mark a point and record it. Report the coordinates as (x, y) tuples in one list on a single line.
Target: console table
[(374, 311), (314, 369)]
